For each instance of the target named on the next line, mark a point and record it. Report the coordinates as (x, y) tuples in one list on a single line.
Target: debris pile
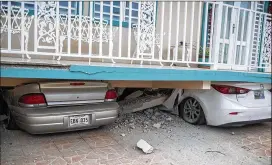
[(147, 120), (157, 125)]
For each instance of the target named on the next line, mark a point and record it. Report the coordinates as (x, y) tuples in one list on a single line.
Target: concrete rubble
[(157, 125), (135, 94), (145, 121), (168, 119), (143, 145)]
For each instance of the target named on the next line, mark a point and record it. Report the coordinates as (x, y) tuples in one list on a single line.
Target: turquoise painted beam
[(80, 72)]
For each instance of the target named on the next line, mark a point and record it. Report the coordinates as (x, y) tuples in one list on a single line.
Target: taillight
[(233, 113), (111, 95), (77, 83), (33, 99), (230, 89)]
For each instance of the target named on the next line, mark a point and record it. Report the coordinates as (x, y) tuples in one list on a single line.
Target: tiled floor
[(88, 148), (257, 141), (104, 147)]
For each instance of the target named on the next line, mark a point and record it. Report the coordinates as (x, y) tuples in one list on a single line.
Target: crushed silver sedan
[(48, 107)]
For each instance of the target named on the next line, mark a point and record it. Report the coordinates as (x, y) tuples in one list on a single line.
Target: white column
[(169, 29), (129, 29), (69, 28), (216, 37), (9, 25)]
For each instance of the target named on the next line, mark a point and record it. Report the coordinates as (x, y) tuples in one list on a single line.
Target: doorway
[(235, 35)]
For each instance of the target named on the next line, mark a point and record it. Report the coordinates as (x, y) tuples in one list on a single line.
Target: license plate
[(79, 120), (259, 94)]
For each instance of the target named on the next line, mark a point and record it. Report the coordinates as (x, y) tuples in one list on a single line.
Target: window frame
[(31, 10), (116, 22)]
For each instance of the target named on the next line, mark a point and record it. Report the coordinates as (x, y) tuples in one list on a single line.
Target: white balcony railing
[(160, 33)]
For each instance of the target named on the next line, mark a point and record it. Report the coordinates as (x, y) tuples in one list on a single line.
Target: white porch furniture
[(179, 50), (143, 45)]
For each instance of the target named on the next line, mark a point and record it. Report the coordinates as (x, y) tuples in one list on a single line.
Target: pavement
[(175, 143)]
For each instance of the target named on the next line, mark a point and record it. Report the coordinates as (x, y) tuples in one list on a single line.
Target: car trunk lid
[(258, 95), (73, 92)]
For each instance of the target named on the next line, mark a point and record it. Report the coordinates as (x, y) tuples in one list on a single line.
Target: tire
[(191, 111), (10, 123)]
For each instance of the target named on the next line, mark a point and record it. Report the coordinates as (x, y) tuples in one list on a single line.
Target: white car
[(223, 104)]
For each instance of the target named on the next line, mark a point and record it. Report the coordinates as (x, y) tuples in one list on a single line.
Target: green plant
[(207, 51)]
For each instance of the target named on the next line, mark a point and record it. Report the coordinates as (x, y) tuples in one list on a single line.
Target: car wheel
[(191, 111), (10, 123)]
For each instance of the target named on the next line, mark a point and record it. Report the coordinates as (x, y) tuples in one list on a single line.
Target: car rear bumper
[(244, 116), (245, 122), (56, 119)]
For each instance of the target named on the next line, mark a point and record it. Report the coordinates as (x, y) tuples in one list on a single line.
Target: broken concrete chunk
[(150, 111), (123, 134), (134, 94), (157, 114), (168, 119), (146, 122), (132, 127), (146, 126), (143, 145), (157, 125), (156, 109), (153, 118)]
